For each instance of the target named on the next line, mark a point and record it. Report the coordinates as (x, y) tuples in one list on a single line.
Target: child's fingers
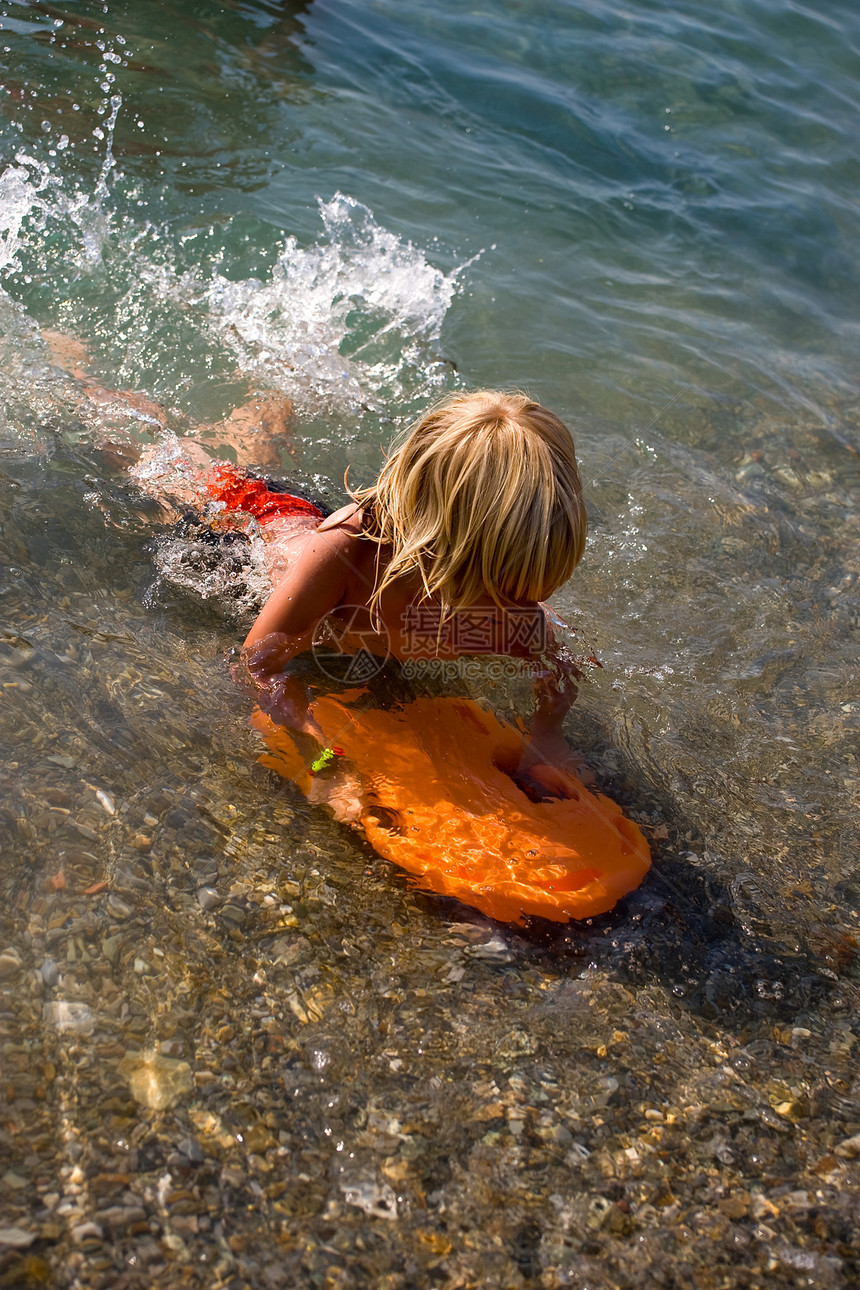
[(550, 780)]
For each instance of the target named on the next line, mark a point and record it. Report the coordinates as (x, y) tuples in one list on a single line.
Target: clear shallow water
[(647, 214)]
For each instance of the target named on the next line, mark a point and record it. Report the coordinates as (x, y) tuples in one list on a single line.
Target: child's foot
[(174, 471), (119, 456), (70, 354)]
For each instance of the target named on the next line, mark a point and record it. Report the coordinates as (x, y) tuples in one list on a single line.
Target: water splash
[(224, 565), (348, 324), (226, 568), (342, 322), (24, 196), (35, 204), (101, 189)]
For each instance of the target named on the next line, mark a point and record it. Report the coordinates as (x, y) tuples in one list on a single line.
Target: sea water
[(239, 1049)]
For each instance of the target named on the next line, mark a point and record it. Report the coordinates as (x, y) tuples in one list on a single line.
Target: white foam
[(232, 575), (348, 323), (22, 196), (341, 322)]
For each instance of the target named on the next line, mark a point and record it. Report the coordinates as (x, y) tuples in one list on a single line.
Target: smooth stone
[(68, 1015), (111, 948), (155, 1081), (208, 898), (121, 1215), (16, 1237), (192, 1150), (49, 973), (376, 1199), (10, 964), (117, 907), (86, 1232)]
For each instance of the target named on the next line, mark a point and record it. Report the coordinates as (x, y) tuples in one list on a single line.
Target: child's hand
[(549, 769), (267, 658), (541, 782), (286, 702), (279, 692)]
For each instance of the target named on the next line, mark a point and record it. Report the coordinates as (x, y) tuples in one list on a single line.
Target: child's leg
[(253, 433), (70, 354)]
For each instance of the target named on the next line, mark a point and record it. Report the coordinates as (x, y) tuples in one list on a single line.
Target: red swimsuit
[(240, 491)]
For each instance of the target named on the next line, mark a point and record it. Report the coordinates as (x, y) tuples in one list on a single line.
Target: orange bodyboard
[(437, 801)]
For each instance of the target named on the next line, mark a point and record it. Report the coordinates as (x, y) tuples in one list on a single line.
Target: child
[(477, 516)]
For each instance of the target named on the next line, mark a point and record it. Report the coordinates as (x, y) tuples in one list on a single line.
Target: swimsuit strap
[(331, 523)]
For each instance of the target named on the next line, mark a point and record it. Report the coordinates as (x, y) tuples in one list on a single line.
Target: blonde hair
[(481, 496)]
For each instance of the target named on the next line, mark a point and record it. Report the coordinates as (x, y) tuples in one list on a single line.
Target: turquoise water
[(646, 214)]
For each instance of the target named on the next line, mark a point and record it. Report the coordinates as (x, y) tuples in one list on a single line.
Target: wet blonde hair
[(481, 496)]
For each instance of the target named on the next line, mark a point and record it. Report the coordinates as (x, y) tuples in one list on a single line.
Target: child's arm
[(312, 588), (325, 574), (547, 760)]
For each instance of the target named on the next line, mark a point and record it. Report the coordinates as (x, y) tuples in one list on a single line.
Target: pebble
[(67, 1014), (496, 949), (175, 1244), (106, 801), (111, 947), (16, 1237), (121, 1215), (849, 1149), (258, 1139), (10, 962), (376, 1199), (192, 1150), (171, 1047), (734, 1207), (155, 1081), (85, 1232), (787, 475), (49, 973), (208, 898)]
